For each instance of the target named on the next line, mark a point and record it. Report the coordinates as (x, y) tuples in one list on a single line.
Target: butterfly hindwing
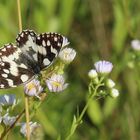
[(12, 71)]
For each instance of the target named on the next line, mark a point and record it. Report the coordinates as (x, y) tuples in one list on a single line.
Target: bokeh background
[(97, 30)]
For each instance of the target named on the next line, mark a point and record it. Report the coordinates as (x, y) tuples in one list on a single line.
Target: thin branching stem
[(17, 120), (77, 121)]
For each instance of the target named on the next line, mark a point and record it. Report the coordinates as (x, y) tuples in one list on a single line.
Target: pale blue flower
[(8, 120), (33, 126), (8, 100), (56, 83), (33, 88), (103, 67)]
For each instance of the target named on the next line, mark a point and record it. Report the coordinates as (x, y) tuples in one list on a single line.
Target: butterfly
[(32, 53)]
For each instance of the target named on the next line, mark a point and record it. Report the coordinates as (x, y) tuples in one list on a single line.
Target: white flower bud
[(67, 55), (110, 83), (135, 44), (114, 93), (92, 74)]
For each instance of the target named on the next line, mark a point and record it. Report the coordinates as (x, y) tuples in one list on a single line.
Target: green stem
[(87, 104), (77, 121)]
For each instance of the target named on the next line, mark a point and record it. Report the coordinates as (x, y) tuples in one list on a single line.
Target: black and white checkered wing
[(42, 49), (12, 71), (49, 46)]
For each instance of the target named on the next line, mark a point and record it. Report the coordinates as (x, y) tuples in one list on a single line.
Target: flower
[(135, 44), (33, 88), (67, 55), (33, 126), (92, 74), (8, 120), (110, 83), (8, 100), (56, 83), (114, 93), (103, 67)]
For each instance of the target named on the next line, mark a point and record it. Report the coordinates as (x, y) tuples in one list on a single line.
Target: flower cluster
[(7, 103), (56, 83), (99, 75)]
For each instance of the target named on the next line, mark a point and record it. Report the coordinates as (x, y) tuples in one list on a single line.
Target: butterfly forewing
[(42, 48), (12, 71), (49, 45)]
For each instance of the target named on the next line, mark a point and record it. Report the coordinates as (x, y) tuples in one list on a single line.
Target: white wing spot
[(48, 43), (46, 62), (2, 64), (4, 49), (59, 44), (53, 50), (8, 46), (14, 69), (1, 86), (11, 57), (43, 43), (24, 77), (23, 66), (55, 39), (10, 82), (38, 37), (4, 75), (22, 34), (6, 71), (35, 56), (32, 33)]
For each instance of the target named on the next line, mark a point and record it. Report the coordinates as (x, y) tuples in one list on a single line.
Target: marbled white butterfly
[(32, 53)]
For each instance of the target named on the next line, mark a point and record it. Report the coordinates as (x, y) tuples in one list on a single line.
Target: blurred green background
[(96, 29)]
